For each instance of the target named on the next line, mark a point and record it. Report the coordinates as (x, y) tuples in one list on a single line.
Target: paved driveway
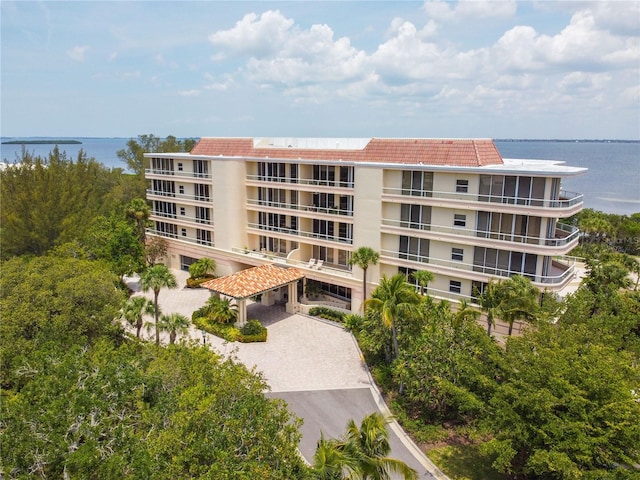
[(315, 366)]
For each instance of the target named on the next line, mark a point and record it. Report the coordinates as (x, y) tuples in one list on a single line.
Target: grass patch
[(463, 462)]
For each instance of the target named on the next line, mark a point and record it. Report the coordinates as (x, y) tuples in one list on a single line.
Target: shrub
[(196, 282), (253, 331), (328, 314), (352, 322)]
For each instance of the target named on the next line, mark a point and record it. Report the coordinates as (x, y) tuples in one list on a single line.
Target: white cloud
[(78, 52), (449, 11)]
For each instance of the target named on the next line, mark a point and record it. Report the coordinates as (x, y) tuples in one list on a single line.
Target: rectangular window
[(457, 254), (462, 186), (180, 167), (455, 286), (181, 189), (459, 220), (183, 232), (182, 211)]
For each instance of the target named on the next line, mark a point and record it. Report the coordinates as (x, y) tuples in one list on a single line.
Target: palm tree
[(464, 313), (371, 442), (519, 300), (423, 277), (489, 300), (201, 267), (154, 278), (174, 324), (362, 453), (138, 209), (392, 299), (363, 257), (133, 311), (221, 310)]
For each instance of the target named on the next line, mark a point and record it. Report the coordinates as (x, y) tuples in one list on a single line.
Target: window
[(184, 232), (417, 183), (462, 186), (180, 167), (459, 220), (455, 286), (457, 254), (181, 189), (414, 249), (182, 211)]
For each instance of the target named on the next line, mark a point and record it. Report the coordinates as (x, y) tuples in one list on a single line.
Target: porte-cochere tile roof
[(255, 280), (416, 151)]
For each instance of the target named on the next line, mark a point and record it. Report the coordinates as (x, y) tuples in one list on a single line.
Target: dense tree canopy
[(48, 202)]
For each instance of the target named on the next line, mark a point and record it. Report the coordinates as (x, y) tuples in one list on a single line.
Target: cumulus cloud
[(448, 11), (418, 64), (78, 52)]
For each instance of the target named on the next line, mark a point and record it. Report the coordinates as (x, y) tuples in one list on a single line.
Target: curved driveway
[(315, 366)]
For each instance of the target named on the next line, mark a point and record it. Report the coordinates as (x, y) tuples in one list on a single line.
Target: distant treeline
[(43, 142)]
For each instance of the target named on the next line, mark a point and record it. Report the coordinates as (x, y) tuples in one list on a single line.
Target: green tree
[(363, 257), (139, 211), (394, 298), (202, 267), (71, 301), (221, 310), (362, 452), (48, 202), (155, 278), (155, 249), (134, 309), (566, 407), (423, 277), (489, 301), (173, 324), (518, 300)]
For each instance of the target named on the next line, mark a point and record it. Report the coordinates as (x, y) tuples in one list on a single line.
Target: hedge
[(229, 332), (328, 314)]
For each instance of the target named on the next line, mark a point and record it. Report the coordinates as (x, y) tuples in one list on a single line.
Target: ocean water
[(612, 183)]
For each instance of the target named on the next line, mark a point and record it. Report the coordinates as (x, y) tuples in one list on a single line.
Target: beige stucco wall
[(229, 203)]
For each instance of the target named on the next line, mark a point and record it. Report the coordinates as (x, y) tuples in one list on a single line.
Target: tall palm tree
[(332, 460), (154, 278), (133, 311), (489, 300), (423, 277), (519, 300), (138, 209), (371, 442), (363, 257), (392, 299), (174, 324)]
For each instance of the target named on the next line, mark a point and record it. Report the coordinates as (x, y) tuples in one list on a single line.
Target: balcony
[(180, 238), (182, 219), (561, 272), (299, 208), (564, 234), (179, 196), (298, 234), (570, 201), (148, 172), (300, 181)]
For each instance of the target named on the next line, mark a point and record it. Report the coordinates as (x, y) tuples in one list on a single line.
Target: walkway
[(315, 366)]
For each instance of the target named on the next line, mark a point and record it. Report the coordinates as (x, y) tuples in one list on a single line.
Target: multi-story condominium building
[(453, 207)]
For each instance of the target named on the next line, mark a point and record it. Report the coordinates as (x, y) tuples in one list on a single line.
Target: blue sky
[(499, 69)]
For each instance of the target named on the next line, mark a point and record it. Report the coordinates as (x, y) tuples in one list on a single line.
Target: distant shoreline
[(42, 142)]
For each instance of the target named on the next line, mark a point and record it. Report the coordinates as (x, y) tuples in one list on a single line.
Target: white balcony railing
[(180, 237), (182, 218), (176, 173), (184, 196), (300, 233), (566, 200), (564, 234), (301, 208), (564, 271), (301, 181)]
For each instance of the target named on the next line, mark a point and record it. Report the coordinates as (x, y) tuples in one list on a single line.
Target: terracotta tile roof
[(255, 280), (453, 152)]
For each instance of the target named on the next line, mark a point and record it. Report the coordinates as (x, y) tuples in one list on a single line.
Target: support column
[(242, 312), (292, 298)]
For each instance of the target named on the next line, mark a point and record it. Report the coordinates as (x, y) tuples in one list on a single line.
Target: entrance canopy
[(254, 281)]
